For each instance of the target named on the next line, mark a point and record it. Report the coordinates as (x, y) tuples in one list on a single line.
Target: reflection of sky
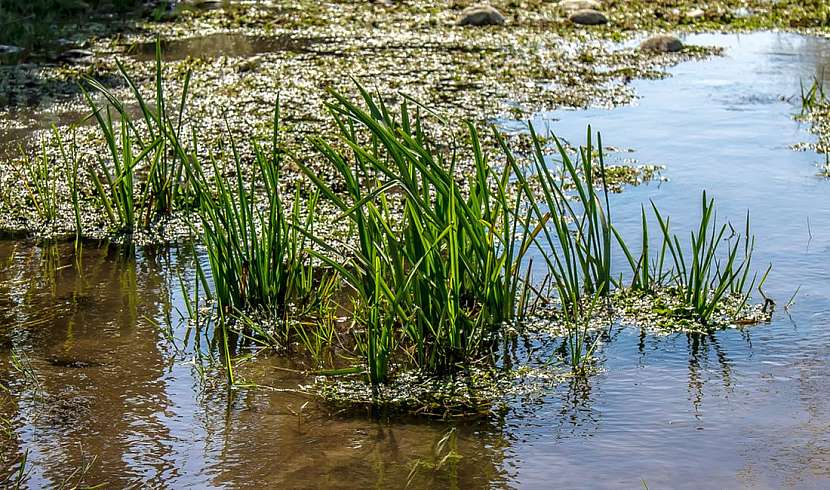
[(735, 408)]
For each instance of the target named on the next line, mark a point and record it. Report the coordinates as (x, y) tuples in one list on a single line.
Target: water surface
[(734, 409)]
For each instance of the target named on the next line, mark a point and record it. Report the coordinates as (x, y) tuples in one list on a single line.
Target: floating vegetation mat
[(659, 312), (662, 312), (476, 392), (484, 391)]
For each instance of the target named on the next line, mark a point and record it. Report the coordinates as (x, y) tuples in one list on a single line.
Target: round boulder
[(480, 15), (588, 17), (663, 43), (574, 5)]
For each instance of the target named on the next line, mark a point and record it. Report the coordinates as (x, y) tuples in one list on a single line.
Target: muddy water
[(734, 409), (222, 44)]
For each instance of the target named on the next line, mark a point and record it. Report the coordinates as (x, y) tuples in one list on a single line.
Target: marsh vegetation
[(294, 217)]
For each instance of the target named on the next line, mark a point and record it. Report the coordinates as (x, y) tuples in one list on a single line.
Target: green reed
[(812, 96), (115, 181), (435, 265), (38, 176), (715, 263), (577, 245), (167, 183), (443, 276), (706, 275), (581, 346), (72, 166), (258, 254)]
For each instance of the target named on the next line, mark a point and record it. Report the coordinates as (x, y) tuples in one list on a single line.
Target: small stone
[(76, 56), (574, 5), (695, 14), (9, 49), (588, 17), (662, 43), (741, 13), (481, 15)]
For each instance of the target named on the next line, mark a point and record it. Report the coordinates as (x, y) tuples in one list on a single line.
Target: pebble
[(76, 56), (588, 17), (662, 43), (480, 15), (9, 49)]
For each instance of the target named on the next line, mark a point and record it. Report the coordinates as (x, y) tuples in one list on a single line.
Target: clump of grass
[(812, 96), (707, 275), (116, 186), (443, 277), (437, 263), (158, 147), (577, 245), (713, 265), (38, 176), (258, 257)]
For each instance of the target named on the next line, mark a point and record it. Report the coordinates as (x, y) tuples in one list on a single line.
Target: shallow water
[(734, 409), (222, 44)]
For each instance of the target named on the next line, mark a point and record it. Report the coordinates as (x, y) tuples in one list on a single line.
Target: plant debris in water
[(476, 391), (815, 110)]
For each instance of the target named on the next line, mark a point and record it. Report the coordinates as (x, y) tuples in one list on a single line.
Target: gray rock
[(76, 56), (662, 43), (9, 54), (588, 17), (574, 5), (480, 15)]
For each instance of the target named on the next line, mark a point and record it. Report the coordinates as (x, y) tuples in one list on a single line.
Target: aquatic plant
[(578, 250), (19, 475), (580, 345), (40, 181), (434, 265), (258, 257), (711, 266), (707, 275), (444, 275), (167, 184), (116, 188), (72, 166), (812, 96)]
